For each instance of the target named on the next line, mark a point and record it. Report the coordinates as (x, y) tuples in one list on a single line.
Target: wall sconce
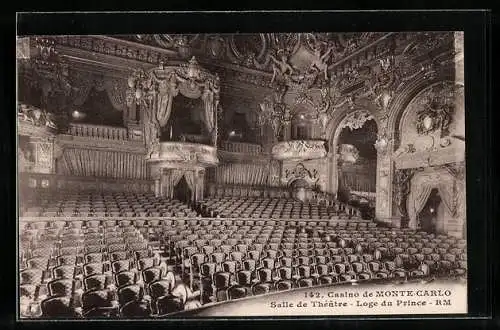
[(381, 144)]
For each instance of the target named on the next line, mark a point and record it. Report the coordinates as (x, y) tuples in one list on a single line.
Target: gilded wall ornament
[(299, 149), (437, 110), (301, 172), (356, 119), (281, 66), (321, 59), (35, 116)]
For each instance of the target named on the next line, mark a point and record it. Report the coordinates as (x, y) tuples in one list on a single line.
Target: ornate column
[(332, 173), (385, 168), (200, 184), (156, 175), (274, 173)]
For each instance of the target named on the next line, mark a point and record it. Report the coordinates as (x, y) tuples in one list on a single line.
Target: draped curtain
[(116, 94), (416, 201), (201, 185), (209, 107), (189, 175), (167, 90), (446, 193), (170, 181), (84, 84), (246, 174), (359, 181), (103, 163), (162, 105), (420, 190), (151, 126)]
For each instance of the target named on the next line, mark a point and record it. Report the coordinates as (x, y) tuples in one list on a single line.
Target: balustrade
[(242, 147), (98, 131)]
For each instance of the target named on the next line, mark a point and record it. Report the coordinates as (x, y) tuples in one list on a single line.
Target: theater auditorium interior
[(164, 173)]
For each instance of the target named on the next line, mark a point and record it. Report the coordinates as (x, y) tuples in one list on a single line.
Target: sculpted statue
[(24, 113), (280, 67), (402, 186), (49, 120), (320, 61)]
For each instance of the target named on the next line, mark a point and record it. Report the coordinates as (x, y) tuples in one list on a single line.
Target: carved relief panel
[(44, 156), (432, 120), (314, 172)]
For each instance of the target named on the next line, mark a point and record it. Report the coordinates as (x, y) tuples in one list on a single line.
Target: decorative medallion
[(437, 109)]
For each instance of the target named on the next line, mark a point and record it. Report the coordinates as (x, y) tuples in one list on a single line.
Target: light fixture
[(302, 116), (431, 210), (78, 115)]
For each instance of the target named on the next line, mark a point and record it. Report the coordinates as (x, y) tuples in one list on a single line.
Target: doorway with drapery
[(182, 191), (174, 188), (421, 187), (431, 218)]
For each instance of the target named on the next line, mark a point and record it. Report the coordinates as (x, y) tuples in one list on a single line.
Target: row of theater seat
[(113, 205), (222, 260), (91, 271), (70, 204), (258, 207)]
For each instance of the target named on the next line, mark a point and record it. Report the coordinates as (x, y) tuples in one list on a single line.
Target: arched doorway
[(182, 191), (430, 219), (357, 161)]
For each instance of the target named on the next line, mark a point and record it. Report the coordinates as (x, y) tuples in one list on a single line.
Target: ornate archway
[(422, 141), (353, 118)]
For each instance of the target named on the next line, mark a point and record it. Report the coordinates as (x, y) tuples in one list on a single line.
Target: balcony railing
[(242, 147), (98, 131)]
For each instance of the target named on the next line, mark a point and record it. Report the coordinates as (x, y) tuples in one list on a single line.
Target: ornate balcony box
[(299, 150), (184, 154)]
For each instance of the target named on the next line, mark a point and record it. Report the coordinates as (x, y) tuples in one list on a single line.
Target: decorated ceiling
[(267, 77)]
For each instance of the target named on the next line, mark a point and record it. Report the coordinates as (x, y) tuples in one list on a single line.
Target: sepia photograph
[(241, 174)]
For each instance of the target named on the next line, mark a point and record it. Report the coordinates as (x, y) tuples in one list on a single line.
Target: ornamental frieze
[(339, 55), (175, 154), (299, 150), (301, 172)]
